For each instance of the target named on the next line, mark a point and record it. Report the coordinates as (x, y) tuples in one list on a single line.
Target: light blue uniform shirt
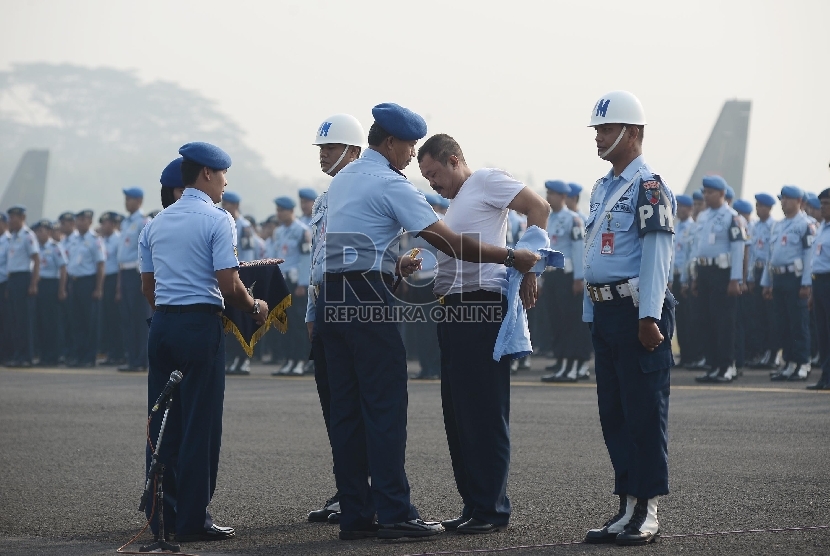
[(111, 244), (721, 231), (306, 219), (128, 248), (4, 257), (369, 202), (647, 257), (52, 259), (516, 226), (184, 246), (684, 234), (22, 245), (759, 237), (83, 253), (293, 243), (791, 239), (317, 223), (821, 250), (566, 231)]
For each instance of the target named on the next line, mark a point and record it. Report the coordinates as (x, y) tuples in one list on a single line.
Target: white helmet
[(340, 128), (618, 107)]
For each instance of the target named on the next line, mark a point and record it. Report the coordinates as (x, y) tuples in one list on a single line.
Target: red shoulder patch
[(651, 184)]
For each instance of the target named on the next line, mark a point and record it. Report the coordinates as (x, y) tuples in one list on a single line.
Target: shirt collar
[(199, 194), (629, 171), (375, 156)]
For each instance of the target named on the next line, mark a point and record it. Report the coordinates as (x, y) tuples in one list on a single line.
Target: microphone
[(175, 378)]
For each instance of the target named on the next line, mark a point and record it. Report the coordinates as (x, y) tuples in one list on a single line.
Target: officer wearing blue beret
[(188, 272), (572, 200), (812, 206), (787, 280), (307, 197), (131, 303), (86, 256), (5, 336), (762, 330), (23, 270), (698, 205), (821, 291), (112, 343), (684, 235), (171, 183), (628, 253), (729, 194), (716, 274), (562, 289), (51, 292), (66, 232), (369, 201), (745, 348)]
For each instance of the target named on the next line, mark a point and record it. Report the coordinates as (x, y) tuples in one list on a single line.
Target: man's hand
[(733, 289), (118, 295), (578, 287), (528, 291), (62, 295), (751, 287), (649, 334), (300, 291), (804, 292), (767, 293), (33, 289), (408, 265), (310, 327), (97, 294), (260, 317), (524, 259)]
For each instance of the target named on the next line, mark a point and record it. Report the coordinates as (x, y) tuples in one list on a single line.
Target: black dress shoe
[(334, 518), (411, 528), (819, 386), (452, 524), (603, 534), (358, 534), (475, 526), (215, 533), (331, 506)]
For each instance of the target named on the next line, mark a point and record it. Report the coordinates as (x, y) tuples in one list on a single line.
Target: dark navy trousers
[(83, 326), (366, 364), (48, 312), (111, 335), (633, 396), (475, 396), (134, 313), (792, 316), (570, 340), (821, 307), (321, 377), (21, 308), (193, 343), (718, 312)]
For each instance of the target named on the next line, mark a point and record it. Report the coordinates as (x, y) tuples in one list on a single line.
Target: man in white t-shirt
[(475, 389)]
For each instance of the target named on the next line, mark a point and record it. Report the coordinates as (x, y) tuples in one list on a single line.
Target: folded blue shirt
[(514, 336)]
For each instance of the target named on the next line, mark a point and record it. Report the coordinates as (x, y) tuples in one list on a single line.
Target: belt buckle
[(606, 293), (592, 293), (441, 300)]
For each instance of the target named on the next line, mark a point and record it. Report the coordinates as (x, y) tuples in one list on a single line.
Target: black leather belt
[(374, 275), (195, 308), (821, 277), (477, 296)]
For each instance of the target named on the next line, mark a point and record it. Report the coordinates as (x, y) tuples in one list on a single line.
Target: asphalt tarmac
[(748, 455)]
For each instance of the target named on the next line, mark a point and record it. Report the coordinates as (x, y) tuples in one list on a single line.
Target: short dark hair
[(167, 198), (441, 147), (642, 133), (377, 135), (190, 171)]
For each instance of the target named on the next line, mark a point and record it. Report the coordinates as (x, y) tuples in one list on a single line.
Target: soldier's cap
[(576, 189), (231, 197), (206, 154), (66, 217), (86, 213), (765, 199), (697, 195), (16, 209), (743, 206), (171, 176), (730, 193), (307, 193), (285, 203), (812, 200), (399, 122), (715, 182), (684, 201), (558, 186), (824, 195), (108, 216), (119, 218), (45, 223), (133, 192), (3, 217), (791, 192)]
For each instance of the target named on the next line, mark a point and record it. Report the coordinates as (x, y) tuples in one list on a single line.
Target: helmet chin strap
[(614, 146), (342, 156)]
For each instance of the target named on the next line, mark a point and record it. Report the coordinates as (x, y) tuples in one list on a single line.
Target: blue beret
[(742, 206), (171, 176), (812, 200), (134, 192), (231, 197), (207, 155), (765, 199), (3, 217), (84, 213), (66, 216), (558, 186), (730, 193), (697, 195), (42, 224), (576, 189), (399, 122), (715, 182), (16, 209), (791, 192), (285, 203), (684, 201), (307, 193)]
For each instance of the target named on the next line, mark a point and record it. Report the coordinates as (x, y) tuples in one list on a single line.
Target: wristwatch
[(511, 256), (256, 307)]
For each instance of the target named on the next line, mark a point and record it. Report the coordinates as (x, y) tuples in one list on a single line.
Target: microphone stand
[(156, 472)]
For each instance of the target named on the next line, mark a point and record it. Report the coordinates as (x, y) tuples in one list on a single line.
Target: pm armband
[(654, 208)]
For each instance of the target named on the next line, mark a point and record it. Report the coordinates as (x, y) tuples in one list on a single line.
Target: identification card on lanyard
[(607, 245)]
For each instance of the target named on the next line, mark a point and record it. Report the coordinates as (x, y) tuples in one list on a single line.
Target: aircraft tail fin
[(28, 185)]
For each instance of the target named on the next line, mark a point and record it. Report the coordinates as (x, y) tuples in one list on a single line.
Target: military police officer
[(307, 197), (684, 234), (628, 252), (112, 343), (762, 328), (5, 335), (787, 280), (237, 361), (23, 268), (85, 255), (132, 305), (821, 291), (51, 292)]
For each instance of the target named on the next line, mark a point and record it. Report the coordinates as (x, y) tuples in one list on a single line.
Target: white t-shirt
[(479, 207)]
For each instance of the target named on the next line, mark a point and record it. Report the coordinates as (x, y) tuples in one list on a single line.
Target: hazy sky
[(513, 81)]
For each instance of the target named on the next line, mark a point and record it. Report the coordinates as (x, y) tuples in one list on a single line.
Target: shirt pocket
[(625, 242)]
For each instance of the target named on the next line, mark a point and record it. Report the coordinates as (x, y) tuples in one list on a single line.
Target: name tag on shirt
[(783, 240), (607, 243)]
